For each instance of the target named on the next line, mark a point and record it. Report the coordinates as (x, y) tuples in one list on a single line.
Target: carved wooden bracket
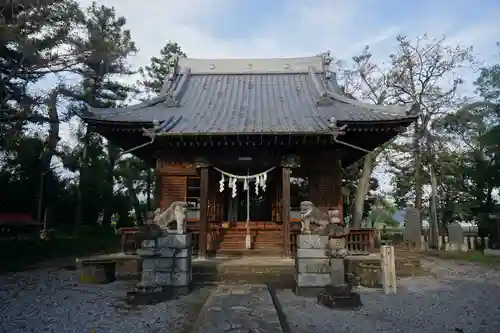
[(336, 131), (290, 161), (201, 163)]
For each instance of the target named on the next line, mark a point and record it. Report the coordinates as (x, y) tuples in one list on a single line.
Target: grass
[(474, 256), (21, 254)]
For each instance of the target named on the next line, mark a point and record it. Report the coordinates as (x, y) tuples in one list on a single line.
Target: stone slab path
[(239, 309)]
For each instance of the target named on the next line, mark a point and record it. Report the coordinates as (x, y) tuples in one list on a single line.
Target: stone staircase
[(265, 242), (272, 271)]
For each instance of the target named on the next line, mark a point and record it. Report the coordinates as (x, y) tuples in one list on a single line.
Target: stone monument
[(166, 258), (456, 236), (413, 230), (319, 262)]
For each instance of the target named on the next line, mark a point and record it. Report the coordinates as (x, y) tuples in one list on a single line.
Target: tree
[(365, 81), (155, 74), (476, 127), (102, 51), (30, 49), (350, 187), (420, 73)]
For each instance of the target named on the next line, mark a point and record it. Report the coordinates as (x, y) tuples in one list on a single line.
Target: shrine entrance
[(249, 222), (258, 205)]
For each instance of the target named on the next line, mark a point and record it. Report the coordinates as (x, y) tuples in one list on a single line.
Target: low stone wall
[(470, 243), (404, 266)]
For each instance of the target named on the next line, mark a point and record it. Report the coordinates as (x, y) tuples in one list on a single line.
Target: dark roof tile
[(221, 103)]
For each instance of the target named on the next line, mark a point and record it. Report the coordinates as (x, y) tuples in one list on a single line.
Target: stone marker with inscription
[(412, 231), (456, 236)]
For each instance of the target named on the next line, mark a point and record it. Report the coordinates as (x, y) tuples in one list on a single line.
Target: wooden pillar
[(286, 171), (202, 246), (287, 163), (387, 264), (158, 190)]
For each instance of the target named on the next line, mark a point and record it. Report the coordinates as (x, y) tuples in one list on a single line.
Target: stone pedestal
[(166, 268), (314, 270)]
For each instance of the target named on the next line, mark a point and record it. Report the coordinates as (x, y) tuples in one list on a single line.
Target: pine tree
[(103, 50), (155, 74)]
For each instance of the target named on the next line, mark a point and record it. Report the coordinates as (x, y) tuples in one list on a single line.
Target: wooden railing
[(359, 241)]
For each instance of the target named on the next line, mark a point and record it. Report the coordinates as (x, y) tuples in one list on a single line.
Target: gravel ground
[(50, 300), (462, 297)]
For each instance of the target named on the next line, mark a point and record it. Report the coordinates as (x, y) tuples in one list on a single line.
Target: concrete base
[(156, 294), (335, 302), (491, 252), (310, 292)]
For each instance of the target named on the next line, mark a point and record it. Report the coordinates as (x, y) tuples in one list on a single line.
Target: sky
[(277, 28), (288, 28)]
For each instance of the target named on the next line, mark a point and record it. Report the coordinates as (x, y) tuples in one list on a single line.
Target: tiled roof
[(291, 96)]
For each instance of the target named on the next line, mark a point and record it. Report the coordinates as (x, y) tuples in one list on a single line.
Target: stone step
[(242, 308), (201, 269), (244, 252), (255, 246)]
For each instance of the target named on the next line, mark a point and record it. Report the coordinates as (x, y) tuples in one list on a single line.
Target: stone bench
[(97, 271)]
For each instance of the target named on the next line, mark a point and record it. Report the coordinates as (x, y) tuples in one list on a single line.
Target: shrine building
[(244, 141)]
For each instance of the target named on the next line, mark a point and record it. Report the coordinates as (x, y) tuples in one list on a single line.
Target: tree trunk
[(362, 190), (134, 201), (50, 148), (110, 179), (418, 167), (433, 232), (82, 181), (133, 198), (148, 197)]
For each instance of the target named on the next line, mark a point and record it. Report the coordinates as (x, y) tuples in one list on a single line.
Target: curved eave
[(410, 111), (113, 124), (118, 125), (388, 122)]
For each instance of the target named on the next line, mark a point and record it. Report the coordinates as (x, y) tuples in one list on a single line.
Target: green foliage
[(350, 182), (156, 72), (90, 45), (22, 253)]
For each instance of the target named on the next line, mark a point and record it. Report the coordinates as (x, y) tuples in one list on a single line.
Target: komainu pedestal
[(312, 265), (166, 269), (319, 265)]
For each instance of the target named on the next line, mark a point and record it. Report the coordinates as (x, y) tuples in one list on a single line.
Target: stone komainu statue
[(175, 213), (315, 221)]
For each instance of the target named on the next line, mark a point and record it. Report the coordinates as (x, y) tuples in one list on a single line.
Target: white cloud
[(302, 27)]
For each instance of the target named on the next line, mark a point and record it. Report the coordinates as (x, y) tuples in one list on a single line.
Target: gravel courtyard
[(460, 298), (51, 301)]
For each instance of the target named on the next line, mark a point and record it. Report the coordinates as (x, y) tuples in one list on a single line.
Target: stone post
[(388, 267)]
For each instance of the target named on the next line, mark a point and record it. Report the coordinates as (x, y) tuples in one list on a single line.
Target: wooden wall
[(173, 180), (325, 183), (323, 171)]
